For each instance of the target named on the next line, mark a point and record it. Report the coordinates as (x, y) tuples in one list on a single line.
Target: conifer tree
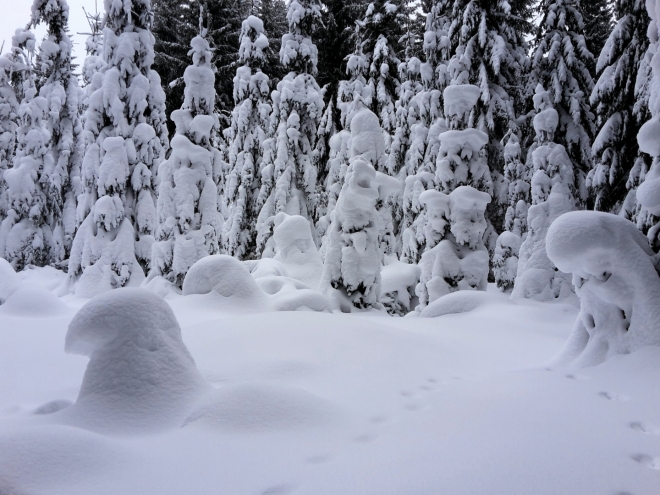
[(125, 122), (8, 126), (249, 128), (597, 24), (615, 150), (288, 174), (560, 63), (60, 89)]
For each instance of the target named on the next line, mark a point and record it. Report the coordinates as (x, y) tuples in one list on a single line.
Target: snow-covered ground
[(320, 403)]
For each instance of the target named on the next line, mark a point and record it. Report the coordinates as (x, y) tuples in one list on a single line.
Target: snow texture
[(616, 281)]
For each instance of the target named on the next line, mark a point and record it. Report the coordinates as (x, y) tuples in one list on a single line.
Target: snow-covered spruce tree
[(352, 256), (379, 35), (288, 173), (459, 261), (560, 63), (125, 122), (552, 192), (598, 24), (615, 151), (61, 181), (491, 35), (8, 125), (517, 175), (187, 205), (648, 192), (249, 128), (420, 162), (25, 235)]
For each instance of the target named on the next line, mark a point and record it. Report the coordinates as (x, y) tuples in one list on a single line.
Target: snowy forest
[(486, 168)]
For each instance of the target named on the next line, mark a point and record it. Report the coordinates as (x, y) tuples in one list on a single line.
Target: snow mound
[(616, 281), (288, 294), (261, 407), (462, 302), (295, 248), (397, 287), (223, 275), (9, 281), (52, 407), (33, 301), (140, 375), (266, 267)]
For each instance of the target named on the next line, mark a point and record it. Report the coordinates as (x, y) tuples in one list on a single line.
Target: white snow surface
[(318, 403)]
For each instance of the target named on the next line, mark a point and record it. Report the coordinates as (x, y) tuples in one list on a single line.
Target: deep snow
[(318, 403)]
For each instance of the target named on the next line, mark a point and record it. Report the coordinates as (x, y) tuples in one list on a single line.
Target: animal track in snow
[(615, 397), (378, 419), (644, 427), (575, 376), (283, 489), (651, 462), (320, 458), (365, 437)]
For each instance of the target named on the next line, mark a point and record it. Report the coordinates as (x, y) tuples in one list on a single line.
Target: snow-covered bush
[(9, 281), (552, 195), (353, 257), (338, 160), (140, 375), (288, 174), (460, 260), (616, 281), (505, 260), (187, 202), (397, 287), (8, 126), (128, 108), (249, 128)]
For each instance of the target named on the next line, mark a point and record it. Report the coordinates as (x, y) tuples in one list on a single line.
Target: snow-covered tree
[(614, 97), (552, 195), (26, 236), (249, 128), (353, 257), (188, 223), (288, 174), (61, 180), (597, 16), (125, 124), (459, 261), (517, 175), (648, 192), (560, 63), (8, 125), (379, 35)]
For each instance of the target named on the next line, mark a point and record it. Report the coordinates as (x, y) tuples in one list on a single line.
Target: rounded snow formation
[(295, 248), (616, 281), (288, 294), (462, 301), (33, 301), (648, 137), (546, 121), (258, 407), (9, 281), (140, 374), (459, 99)]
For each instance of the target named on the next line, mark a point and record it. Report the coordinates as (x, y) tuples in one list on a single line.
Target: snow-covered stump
[(616, 281), (552, 195), (140, 376), (460, 260), (353, 257)]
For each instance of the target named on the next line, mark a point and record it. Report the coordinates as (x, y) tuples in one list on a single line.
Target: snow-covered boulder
[(397, 287), (616, 281), (9, 281), (462, 302), (33, 301), (140, 374), (296, 250)]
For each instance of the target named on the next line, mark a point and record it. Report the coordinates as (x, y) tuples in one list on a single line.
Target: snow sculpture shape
[(616, 281), (295, 248), (353, 257), (140, 374), (460, 260)]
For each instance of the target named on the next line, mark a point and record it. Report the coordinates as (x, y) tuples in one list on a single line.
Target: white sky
[(16, 13)]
